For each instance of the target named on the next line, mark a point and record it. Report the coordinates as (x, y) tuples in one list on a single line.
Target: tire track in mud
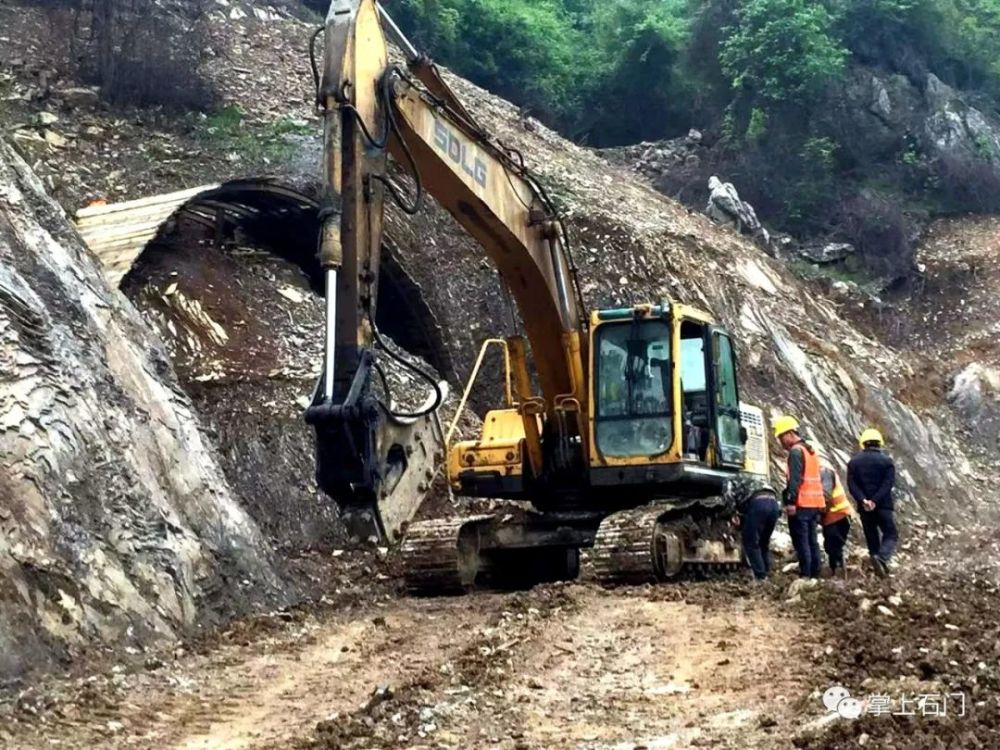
[(269, 689), (561, 666), (283, 698), (580, 667)]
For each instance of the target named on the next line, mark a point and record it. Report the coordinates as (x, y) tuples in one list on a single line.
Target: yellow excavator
[(620, 427)]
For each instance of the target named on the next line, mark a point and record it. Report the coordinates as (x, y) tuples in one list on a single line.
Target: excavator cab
[(663, 417), (664, 392)]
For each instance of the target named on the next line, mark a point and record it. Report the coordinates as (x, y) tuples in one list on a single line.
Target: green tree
[(529, 51), (967, 36), (639, 90), (782, 49)]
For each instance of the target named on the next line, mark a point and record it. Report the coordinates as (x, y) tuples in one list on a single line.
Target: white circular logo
[(833, 696), (849, 708)]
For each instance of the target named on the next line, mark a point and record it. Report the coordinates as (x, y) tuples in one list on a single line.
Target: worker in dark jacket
[(871, 476), (803, 498), (756, 504)]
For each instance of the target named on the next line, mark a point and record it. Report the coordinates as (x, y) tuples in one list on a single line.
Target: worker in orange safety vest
[(803, 498), (836, 519)]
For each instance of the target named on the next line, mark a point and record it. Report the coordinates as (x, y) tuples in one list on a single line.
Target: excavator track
[(663, 541), (623, 548), (442, 556)]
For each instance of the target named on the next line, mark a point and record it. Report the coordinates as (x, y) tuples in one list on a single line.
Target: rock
[(800, 586), (46, 118), (725, 207), (153, 663), (884, 610), (843, 289), (971, 385), (66, 338), (829, 252), (881, 106), (975, 396), (54, 139), (79, 96), (956, 128)]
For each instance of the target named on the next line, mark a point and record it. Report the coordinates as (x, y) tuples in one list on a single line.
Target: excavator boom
[(372, 108)]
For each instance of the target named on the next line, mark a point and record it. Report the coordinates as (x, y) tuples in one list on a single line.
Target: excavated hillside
[(561, 666), (798, 350), (799, 353), (117, 523)]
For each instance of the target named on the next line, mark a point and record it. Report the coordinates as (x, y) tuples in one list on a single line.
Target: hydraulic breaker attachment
[(376, 465)]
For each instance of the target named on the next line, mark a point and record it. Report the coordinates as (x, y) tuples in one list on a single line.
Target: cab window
[(633, 415)]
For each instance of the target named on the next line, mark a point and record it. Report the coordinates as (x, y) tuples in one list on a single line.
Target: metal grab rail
[(472, 379)]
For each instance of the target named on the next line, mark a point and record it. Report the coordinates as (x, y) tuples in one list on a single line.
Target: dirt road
[(558, 667), (697, 664)]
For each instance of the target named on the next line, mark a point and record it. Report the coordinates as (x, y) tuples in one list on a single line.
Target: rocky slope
[(799, 351), (117, 523), (909, 144), (951, 310)]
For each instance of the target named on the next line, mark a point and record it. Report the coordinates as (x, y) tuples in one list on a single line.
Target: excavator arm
[(376, 464)]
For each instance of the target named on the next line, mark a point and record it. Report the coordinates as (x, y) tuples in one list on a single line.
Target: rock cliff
[(116, 523)]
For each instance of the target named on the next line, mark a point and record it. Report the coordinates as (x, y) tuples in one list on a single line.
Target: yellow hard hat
[(785, 424), (871, 435)]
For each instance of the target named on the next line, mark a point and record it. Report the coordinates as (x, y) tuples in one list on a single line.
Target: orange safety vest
[(837, 504), (811, 489)]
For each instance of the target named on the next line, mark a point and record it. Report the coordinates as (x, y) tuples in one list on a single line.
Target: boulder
[(827, 252), (726, 207), (973, 389), (78, 96), (956, 128)]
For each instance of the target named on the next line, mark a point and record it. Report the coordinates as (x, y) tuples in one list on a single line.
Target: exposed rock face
[(947, 324), (956, 127), (116, 523), (878, 114)]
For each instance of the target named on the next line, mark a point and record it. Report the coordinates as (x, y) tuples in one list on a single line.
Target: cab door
[(729, 437)]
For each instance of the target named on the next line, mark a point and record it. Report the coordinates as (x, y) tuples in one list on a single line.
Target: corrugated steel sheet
[(117, 233)]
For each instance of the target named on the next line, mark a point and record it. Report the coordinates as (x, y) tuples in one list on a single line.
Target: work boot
[(881, 569)]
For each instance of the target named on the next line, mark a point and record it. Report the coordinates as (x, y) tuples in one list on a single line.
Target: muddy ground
[(721, 664)]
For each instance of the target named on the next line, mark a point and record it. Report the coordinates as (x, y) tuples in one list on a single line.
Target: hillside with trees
[(780, 90)]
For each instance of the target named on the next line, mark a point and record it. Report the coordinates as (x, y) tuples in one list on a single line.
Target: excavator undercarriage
[(657, 542)]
